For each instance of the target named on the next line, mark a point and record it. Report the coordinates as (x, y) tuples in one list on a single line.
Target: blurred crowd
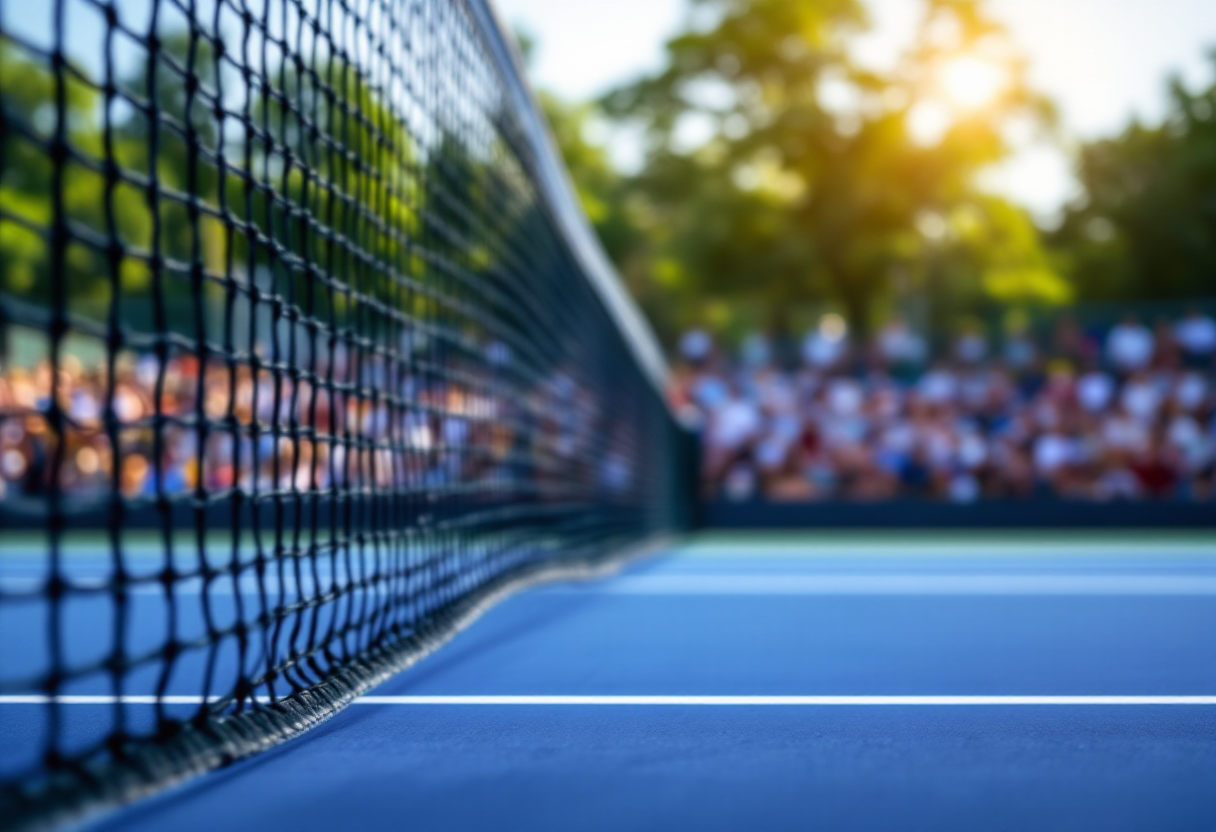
[(350, 424), (1124, 412)]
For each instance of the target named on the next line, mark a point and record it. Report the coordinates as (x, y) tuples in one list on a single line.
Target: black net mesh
[(305, 355)]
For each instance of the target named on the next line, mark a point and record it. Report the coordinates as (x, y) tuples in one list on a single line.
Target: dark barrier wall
[(913, 514)]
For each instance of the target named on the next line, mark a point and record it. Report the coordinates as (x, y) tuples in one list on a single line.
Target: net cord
[(557, 191)]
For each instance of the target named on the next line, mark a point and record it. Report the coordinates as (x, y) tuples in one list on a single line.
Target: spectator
[(972, 426), (1155, 475), (1196, 335), (971, 346), (1130, 346), (826, 346), (696, 346), (1095, 390), (900, 347), (969, 427), (756, 352), (1072, 343), (1020, 352), (1141, 397)]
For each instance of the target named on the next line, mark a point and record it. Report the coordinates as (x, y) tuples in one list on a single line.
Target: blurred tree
[(171, 142), (123, 208), (780, 170), (610, 201), (30, 118), (1145, 227)]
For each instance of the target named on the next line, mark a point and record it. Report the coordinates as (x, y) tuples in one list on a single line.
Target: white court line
[(815, 701), (788, 700), (1001, 584)]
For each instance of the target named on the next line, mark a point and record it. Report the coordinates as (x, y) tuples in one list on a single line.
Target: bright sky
[(1101, 60)]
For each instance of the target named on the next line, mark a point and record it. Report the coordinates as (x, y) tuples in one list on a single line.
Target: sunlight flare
[(972, 82)]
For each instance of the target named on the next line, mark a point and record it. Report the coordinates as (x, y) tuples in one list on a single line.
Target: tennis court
[(878, 681), (343, 486)]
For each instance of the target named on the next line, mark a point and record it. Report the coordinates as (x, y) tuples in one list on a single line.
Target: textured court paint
[(384, 769), (565, 644), (542, 767)]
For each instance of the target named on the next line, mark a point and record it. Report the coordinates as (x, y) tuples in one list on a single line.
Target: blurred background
[(943, 249)]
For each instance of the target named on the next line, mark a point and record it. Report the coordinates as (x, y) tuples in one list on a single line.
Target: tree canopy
[(1145, 227), (778, 172), (778, 168)]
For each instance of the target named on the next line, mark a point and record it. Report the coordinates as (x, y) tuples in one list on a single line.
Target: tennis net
[(307, 356)]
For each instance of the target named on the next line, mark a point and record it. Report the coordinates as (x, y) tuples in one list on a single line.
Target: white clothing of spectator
[(971, 348), (740, 482), (455, 431), (972, 450), (84, 406), (786, 426), (823, 349), (843, 431), (696, 345), (899, 437), (898, 344), (734, 424), (1130, 345), (710, 392), (1185, 434), (1095, 391), (1141, 398), (1191, 391), (127, 404), (939, 385), (771, 453), (776, 393), (1196, 333), (964, 488), (12, 465), (147, 368), (1052, 451), (845, 396)]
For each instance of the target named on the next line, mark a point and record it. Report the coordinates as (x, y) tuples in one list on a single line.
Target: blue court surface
[(836, 681)]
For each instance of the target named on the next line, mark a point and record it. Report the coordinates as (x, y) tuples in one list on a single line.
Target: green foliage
[(1146, 227), (28, 189), (612, 203), (808, 183), (280, 183), (33, 102)]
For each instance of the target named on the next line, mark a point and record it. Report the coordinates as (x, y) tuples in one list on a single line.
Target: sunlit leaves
[(810, 187)]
